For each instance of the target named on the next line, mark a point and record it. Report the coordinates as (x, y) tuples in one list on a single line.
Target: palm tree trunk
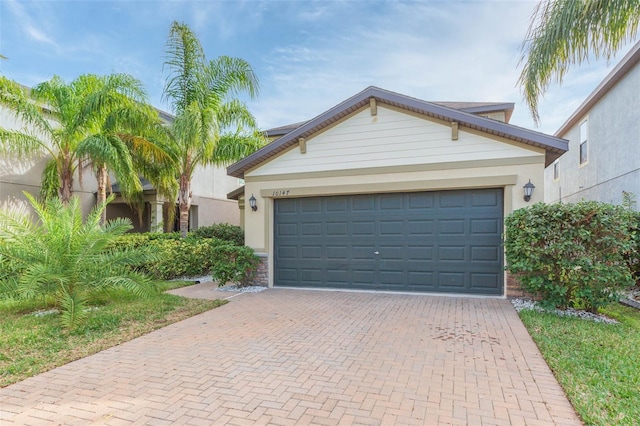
[(184, 202), (66, 182), (101, 175)]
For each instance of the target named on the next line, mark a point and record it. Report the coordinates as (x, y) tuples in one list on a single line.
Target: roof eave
[(498, 128), (624, 66)]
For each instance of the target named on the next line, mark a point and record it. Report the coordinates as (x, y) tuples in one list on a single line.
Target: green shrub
[(187, 257), (131, 241), (66, 257), (633, 256), (223, 231), (232, 263), (571, 255)]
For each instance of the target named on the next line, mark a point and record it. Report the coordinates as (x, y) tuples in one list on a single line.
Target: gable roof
[(553, 146), (624, 66), (471, 107)]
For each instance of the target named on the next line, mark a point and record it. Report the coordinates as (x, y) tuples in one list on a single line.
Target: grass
[(31, 344), (598, 365)]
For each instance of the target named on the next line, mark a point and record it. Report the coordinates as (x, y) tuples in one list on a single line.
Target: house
[(210, 186), (603, 161), (388, 192)]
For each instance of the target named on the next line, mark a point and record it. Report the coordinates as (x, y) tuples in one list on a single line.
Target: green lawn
[(31, 344), (597, 364)]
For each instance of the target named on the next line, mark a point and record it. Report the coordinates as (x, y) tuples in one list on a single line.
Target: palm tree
[(94, 120), (565, 32), (125, 139), (211, 126), (64, 256)]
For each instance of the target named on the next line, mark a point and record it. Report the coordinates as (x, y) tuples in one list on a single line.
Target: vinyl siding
[(391, 138)]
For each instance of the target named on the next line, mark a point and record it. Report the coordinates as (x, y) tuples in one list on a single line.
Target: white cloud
[(33, 27)]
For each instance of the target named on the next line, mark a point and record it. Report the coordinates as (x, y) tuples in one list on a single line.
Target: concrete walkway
[(288, 357)]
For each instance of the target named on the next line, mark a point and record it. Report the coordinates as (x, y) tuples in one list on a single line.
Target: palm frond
[(184, 62), (565, 32), (228, 76), (17, 100), (234, 147), (74, 309), (50, 183), (20, 144)]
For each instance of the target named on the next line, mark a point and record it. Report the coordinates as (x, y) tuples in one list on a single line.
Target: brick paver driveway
[(308, 357)]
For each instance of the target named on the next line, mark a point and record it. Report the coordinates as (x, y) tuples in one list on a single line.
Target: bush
[(232, 263), (189, 257), (571, 255), (223, 231), (66, 257), (633, 257), (135, 240)]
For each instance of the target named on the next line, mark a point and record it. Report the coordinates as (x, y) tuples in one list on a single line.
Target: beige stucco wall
[(392, 151)]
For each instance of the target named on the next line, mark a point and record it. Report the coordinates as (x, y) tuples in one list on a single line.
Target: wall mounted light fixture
[(528, 190), (252, 203)]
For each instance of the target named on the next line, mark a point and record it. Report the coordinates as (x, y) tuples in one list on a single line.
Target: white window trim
[(582, 141)]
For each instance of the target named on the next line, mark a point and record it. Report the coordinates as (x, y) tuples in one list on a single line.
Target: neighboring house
[(210, 186), (389, 192), (603, 160)]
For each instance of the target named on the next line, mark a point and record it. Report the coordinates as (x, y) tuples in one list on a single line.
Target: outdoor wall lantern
[(528, 190), (254, 206)]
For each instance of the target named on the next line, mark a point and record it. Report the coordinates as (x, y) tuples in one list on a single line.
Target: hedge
[(572, 255)]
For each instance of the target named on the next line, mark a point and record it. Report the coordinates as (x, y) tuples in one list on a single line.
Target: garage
[(386, 192), (438, 241)]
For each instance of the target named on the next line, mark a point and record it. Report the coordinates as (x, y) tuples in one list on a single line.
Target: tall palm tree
[(211, 126), (566, 32)]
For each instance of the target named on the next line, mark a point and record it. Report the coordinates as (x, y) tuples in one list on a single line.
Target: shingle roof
[(553, 146)]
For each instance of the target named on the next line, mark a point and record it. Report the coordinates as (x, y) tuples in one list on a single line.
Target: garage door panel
[(491, 199), (419, 253), (337, 228), (452, 227), (363, 276), (485, 226), (421, 201), (311, 229), (366, 228), (311, 252), (485, 254), (338, 252), (337, 204), (310, 205), (421, 279), (420, 227), (285, 206), (365, 252), (451, 253), (485, 281), (451, 281), (287, 276), (311, 275), (452, 200), (447, 241), (392, 202), (288, 252), (392, 227), (286, 229), (362, 203)]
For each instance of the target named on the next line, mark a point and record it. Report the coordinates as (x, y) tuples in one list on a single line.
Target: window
[(556, 170), (584, 138)]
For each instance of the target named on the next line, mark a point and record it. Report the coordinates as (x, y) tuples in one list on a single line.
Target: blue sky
[(308, 55)]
